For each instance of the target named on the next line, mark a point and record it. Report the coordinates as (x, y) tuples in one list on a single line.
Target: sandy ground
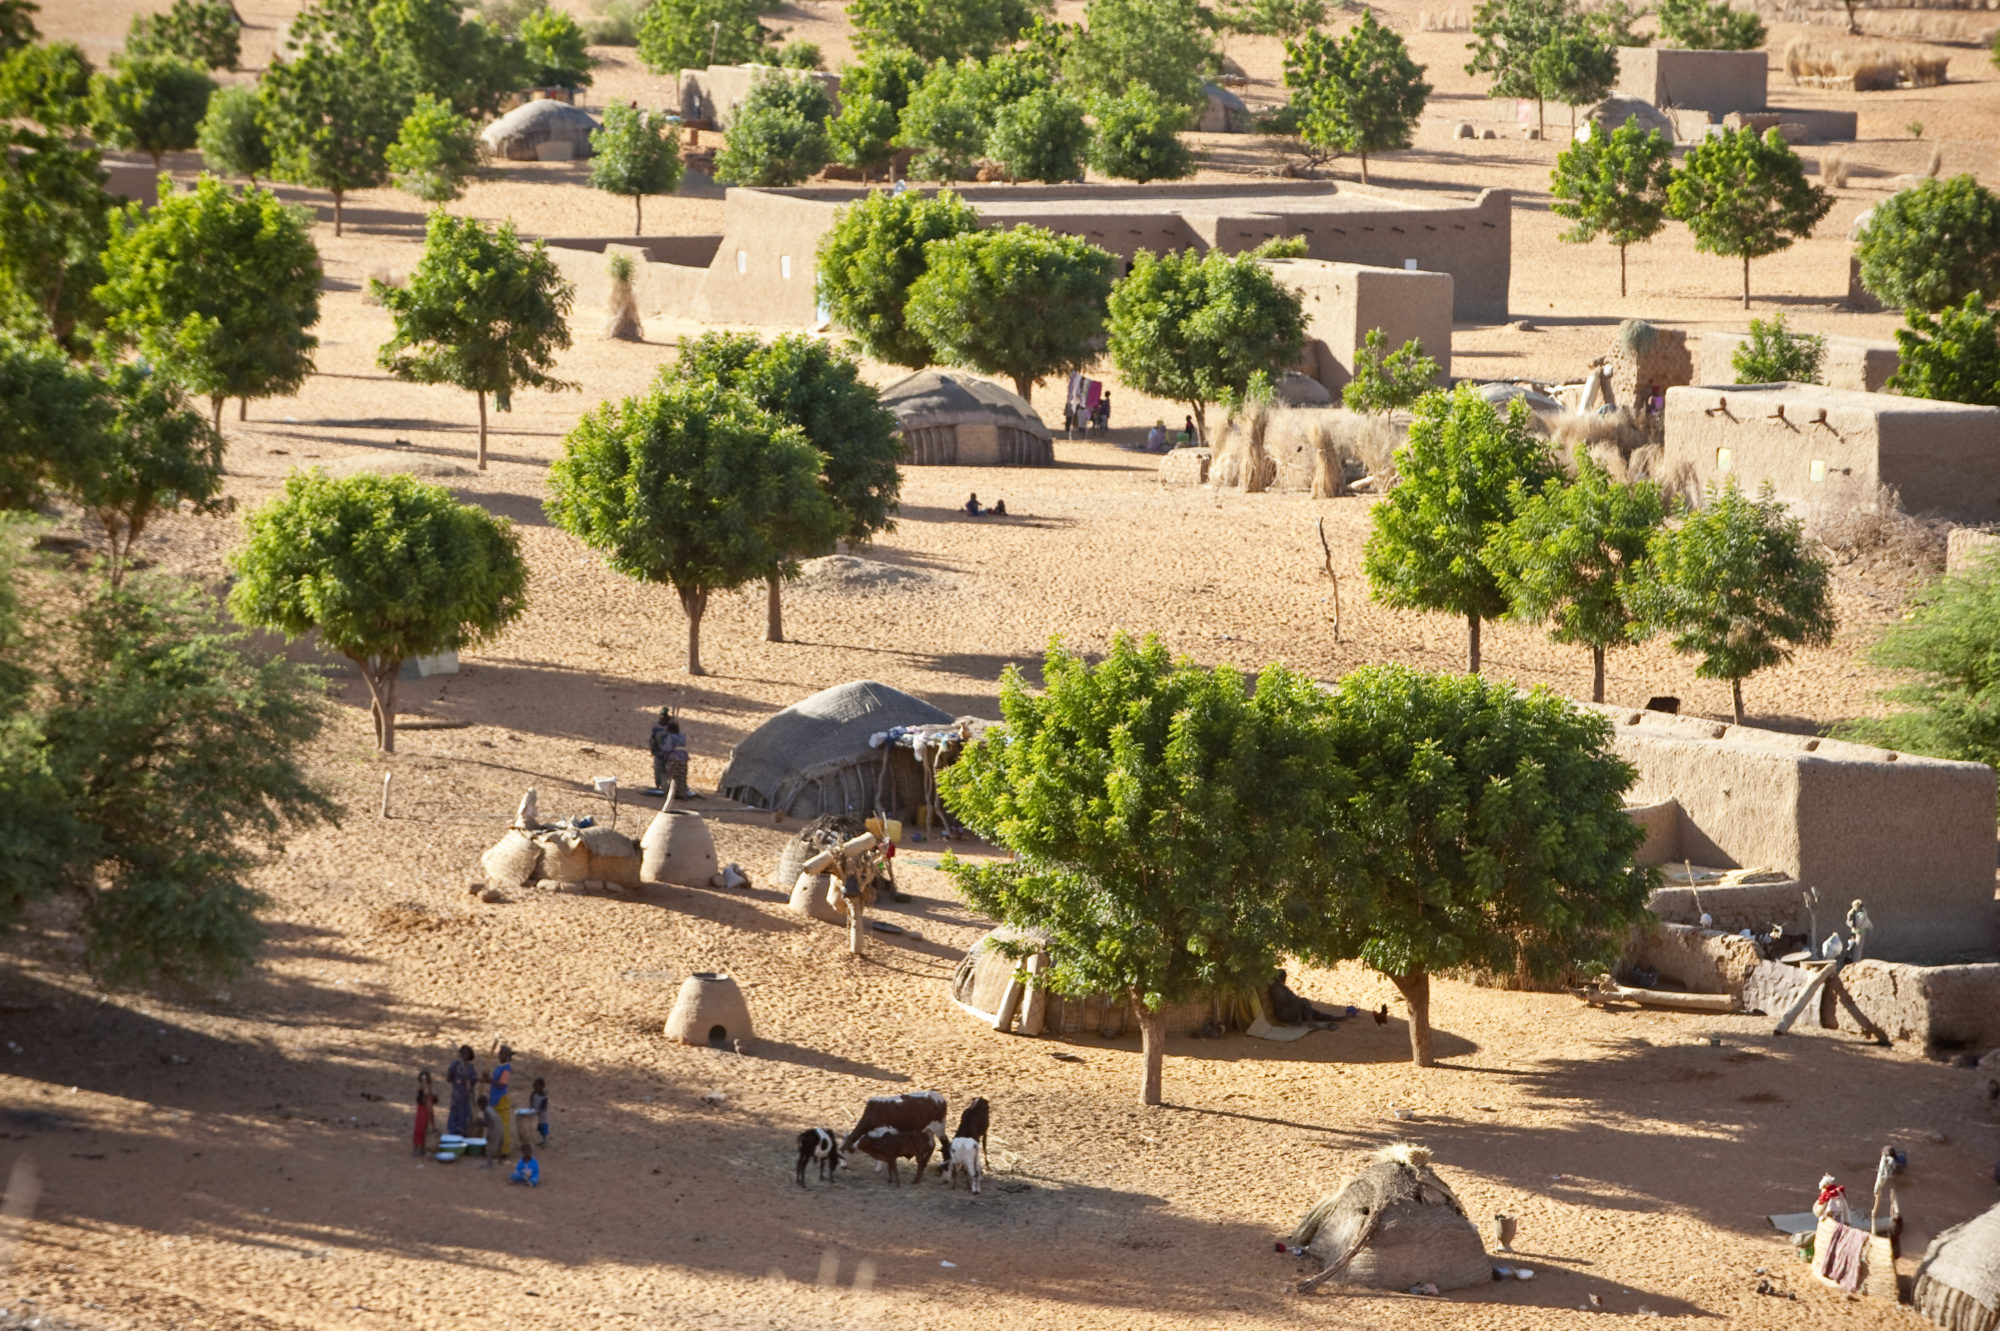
[(241, 1160)]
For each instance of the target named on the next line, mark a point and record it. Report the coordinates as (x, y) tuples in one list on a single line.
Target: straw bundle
[(1871, 67), (621, 317)]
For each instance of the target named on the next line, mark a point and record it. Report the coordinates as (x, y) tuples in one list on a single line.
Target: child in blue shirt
[(528, 1171)]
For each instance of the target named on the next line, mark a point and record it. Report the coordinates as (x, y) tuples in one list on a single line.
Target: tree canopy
[(216, 289), (1164, 45), (1387, 381), (636, 153), (1773, 354), (1746, 197), (1161, 816), (556, 49), (232, 138), (52, 411), (153, 103), (948, 30), (871, 256), (1576, 67), (1193, 328), (1507, 35), (778, 135), (1356, 94), (1613, 185), (1054, 288), (873, 94), (330, 118), (1139, 137), (55, 218), (435, 152), (1932, 245), (1952, 356), (1735, 584), (1041, 137), (692, 486), (205, 33), (693, 34), (49, 85), (481, 311), (1460, 468), (384, 568), (1949, 696), (1709, 25)]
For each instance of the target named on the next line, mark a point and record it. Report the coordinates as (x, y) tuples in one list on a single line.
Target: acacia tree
[(778, 135), (1736, 585), (384, 568), (1359, 94), (232, 138), (217, 290), (1944, 646), (1041, 137), (55, 217), (1160, 44), (1712, 25), (871, 256), (1508, 33), (1161, 815), (636, 153), (692, 34), (1577, 66), (331, 118), (804, 382), (1745, 197), (1193, 328), (692, 486), (1932, 245), (1572, 556), (152, 103), (481, 311), (1052, 287), (1481, 827), (1614, 185), (205, 33), (1459, 469)]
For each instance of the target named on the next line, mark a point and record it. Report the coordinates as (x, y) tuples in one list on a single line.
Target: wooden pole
[(1828, 975), (386, 776)]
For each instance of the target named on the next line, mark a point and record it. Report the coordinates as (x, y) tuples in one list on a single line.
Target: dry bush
[(1351, 446), (1834, 169), (1644, 463), (1865, 67), (621, 308), (1442, 20), (1935, 162), (1241, 460), (1862, 524), (1609, 436)]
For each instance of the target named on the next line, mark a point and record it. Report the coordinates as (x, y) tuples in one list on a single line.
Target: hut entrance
[(718, 1037)]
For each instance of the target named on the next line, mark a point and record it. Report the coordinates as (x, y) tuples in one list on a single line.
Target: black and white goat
[(821, 1146), (886, 1145), (915, 1111)]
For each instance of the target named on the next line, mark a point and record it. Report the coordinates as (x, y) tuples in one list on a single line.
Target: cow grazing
[(818, 1144), (972, 1123), (886, 1146), (912, 1112), (964, 1155)]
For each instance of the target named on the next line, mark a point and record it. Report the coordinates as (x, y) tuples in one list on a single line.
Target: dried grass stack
[(1868, 67), (621, 318), (1397, 1225)]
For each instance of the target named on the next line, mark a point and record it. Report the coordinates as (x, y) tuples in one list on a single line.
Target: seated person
[(999, 509), (973, 507), (528, 1171), (1156, 438)]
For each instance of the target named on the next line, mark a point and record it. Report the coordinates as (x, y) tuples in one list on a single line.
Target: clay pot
[(678, 849)]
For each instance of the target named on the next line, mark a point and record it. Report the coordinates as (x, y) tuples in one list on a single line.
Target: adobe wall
[(1942, 1008), (1693, 960), (714, 93), (659, 288), (1343, 301), (1714, 81), (763, 272), (1854, 364), (1966, 546), (1942, 457), (1474, 245)]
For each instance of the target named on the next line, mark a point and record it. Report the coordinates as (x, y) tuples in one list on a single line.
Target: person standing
[(670, 757), (426, 1111), (500, 1084), (462, 1077)]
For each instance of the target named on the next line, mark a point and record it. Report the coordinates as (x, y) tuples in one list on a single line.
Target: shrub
[(1138, 138), (1931, 246), (1388, 381), (1041, 137), (1709, 25), (1953, 356), (1776, 355), (779, 134), (435, 153)]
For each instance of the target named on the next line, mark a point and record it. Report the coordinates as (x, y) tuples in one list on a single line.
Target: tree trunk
[(480, 393), (215, 413), (1472, 643), (1152, 1047), (1597, 674), (774, 611), (1621, 272), (1541, 121), (638, 214), (1364, 168), (242, 408), (1416, 991), (1023, 386), (693, 603), (1736, 697), (336, 211), (380, 676), (1200, 424), (1746, 281)]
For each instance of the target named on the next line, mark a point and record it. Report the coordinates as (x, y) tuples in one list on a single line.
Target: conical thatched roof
[(1404, 1225), (932, 398), (1958, 1284), (813, 758)]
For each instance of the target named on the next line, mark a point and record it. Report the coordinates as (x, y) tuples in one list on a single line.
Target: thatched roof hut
[(952, 419), (816, 756), (541, 130), (1958, 1284), (1401, 1224), (980, 983)]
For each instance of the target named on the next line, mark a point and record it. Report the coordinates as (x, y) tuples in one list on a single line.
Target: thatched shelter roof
[(517, 135), (815, 757), (943, 413), (986, 970), (1958, 1284), (1403, 1225)]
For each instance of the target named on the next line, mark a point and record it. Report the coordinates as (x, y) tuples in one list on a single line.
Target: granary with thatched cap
[(817, 757), (1394, 1225), (1958, 1284), (952, 419)]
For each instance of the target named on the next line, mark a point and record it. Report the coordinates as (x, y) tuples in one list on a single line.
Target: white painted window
[(742, 261), (1818, 472), (1724, 460), (785, 266)]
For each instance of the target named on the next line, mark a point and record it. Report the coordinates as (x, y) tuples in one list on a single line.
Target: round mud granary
[(677, 849), (710, 1011), (1401, 1224)]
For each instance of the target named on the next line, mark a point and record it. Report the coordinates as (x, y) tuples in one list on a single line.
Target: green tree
[(778, 136), (1613, 20), (800, 55), (148, 766), (1287, 20), (49, 85), (556, 49), (1613, 185), (17, 25), (1931, 246), (54, 222), (435, 153), (330, 118), (692, 486), (945, 122), (636, 153), (384, 568), (1162, 44), (1481, 827), (1387, 381), (1577, 67), (1745, 197), (1572, 556), (205, 33), (152, 103), (481, 312), (1736, 585), (417, 46), (1709, 25), (887, 73), (1053, 288), (231, 138), (872, 255), (1776, 355), (1161, 817), (217, 290), (863, 135), (947, 30), (1507, 35), (1139, 137), (693, 34), (1953, 356), (52, 413), (1041, 137), (1949, 697), (1359, 94), (1460, 469), (1193, 328), (802, 381)]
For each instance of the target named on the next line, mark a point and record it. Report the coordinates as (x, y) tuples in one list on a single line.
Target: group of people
[(1087, 417), (482, 1107), (1157, 440), (670, 757), (997, 509)]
